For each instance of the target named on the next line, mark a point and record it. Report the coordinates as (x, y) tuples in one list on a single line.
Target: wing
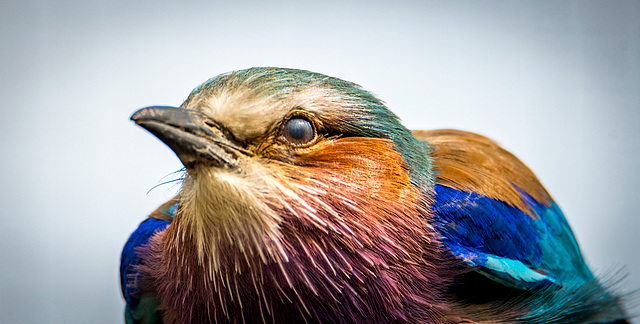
[(497, 218), (494, 214), (142, 308)]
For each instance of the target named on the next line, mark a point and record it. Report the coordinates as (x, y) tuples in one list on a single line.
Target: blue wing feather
[(139, 308), (507, 244)]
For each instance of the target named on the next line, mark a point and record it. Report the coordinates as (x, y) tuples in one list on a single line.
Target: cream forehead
[(248, 116)]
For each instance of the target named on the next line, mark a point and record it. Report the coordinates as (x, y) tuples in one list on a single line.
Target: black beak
[(194, 137)]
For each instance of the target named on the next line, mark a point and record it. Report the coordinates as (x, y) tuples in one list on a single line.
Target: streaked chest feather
[(328, 223)]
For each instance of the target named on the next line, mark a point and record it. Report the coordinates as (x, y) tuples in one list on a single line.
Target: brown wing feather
[(472, 162)]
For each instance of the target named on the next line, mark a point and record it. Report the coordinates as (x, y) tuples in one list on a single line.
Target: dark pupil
[(298, 131)]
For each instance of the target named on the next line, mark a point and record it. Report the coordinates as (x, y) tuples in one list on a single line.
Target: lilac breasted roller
[(305, 200)]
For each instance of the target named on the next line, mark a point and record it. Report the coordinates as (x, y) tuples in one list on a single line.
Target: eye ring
[(299, 131)]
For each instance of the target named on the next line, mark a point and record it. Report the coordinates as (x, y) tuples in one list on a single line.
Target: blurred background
[(555, 82)]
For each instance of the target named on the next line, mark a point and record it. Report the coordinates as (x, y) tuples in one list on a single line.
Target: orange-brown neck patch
[(355, 233)]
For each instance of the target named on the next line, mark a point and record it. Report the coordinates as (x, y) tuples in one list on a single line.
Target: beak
[(194, 137)]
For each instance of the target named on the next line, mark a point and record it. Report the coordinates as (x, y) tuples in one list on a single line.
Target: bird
[(305, 200)]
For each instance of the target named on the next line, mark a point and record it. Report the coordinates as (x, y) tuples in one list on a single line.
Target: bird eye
[(298, 131)]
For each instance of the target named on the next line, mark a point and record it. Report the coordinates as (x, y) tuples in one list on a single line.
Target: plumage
[(305, 200)]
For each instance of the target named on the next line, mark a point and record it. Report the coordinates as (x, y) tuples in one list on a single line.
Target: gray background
[(558, 83)]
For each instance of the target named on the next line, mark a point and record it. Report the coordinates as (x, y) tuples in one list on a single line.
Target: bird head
[(278, 160)]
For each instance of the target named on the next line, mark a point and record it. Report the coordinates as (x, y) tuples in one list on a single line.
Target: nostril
[(226, 133)]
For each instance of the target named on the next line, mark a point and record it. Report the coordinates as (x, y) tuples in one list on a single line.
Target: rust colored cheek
[(363, 168)]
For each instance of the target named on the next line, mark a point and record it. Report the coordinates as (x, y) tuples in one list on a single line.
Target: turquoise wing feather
[(506, 243)]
